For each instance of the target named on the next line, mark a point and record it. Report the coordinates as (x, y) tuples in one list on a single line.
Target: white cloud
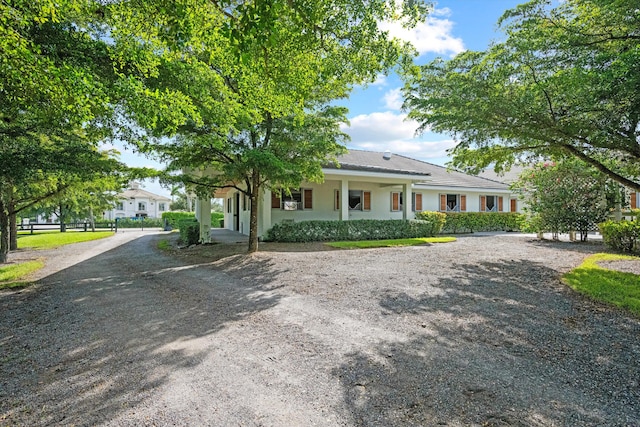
[(393, 99), (381, 80), (381, 131), (433, 35)]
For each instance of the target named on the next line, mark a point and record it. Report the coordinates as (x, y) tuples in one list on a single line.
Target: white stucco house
[(138, 203), (371, 185)]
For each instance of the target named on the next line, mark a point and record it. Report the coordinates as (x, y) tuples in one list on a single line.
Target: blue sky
[(376, 122)]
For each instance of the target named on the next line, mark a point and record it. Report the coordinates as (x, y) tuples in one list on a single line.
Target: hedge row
[(471, 222), (134, 223), (365, 229), (174, 217), (621, 236)]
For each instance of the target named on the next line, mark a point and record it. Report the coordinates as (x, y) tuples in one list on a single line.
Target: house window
[(120, 206), (453, 202), (514, 205), (161, 207), (396, 201), (297, 200), (358, 200), (491, 203), (142, 206)]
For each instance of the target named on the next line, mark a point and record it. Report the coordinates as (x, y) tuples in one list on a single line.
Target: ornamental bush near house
[(366, 229), (134, 223), (621, 235), (470, 222), (175, 217), (436, 219), (189, 231)]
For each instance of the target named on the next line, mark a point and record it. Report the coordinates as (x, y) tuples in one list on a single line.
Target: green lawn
[(12, 275), (54, 239), (610, 286), (363, 244)]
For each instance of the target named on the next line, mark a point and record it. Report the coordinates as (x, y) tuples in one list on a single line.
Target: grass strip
[(365, 244), (53, 240), (164, 245), (610, 286), (13, 275)]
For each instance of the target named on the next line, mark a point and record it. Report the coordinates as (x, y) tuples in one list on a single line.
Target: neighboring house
[(371, 185), (138, 203)]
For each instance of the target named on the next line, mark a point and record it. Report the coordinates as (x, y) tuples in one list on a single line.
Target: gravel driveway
[(475, 332)]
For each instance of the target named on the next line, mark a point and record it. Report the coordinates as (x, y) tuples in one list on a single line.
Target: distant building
[(138, 203)]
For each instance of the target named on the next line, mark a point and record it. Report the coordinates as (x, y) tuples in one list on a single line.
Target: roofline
[(374, 173)]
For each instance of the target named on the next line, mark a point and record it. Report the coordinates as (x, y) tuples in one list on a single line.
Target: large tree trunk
[(63, 225), (13, 229), (4, 231), (253, 217)]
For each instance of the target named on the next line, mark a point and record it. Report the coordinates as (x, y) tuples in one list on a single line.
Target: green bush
[(174, 217), (366, 229), (189, 231), (436, 219), (470, 222), (621, 235), (137, 223)]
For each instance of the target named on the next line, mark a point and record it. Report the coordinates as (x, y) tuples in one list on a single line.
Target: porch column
[(197, 210), (344, 200), (407, 202), (264, 207), (204, 214)]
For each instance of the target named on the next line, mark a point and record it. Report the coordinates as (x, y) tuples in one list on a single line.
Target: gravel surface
[(476, 332)]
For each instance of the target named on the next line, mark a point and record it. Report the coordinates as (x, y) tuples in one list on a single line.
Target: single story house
[(371, 185), (138, 203)]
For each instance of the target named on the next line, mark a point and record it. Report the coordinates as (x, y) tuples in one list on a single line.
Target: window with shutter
[(483, 203), (395, 201), (366, 200), (634, 200), (417, 202), (514, 205), (463, 203), (275, 200), (500, 204), (443, 202), (336, 200), (308, 199)]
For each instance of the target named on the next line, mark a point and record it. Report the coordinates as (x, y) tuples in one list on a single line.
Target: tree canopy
[(564, 83)]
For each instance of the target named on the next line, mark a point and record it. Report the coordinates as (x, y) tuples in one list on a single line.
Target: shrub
[(436, 219), (138, 223), (620, 235), (174, 217), (470, 222), (366, 229), (189, 231)]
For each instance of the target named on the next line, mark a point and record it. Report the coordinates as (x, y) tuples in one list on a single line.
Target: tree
[(565, 196), (565, 83), (255, 82)]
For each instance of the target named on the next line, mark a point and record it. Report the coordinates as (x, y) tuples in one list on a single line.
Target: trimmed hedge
[(189, 231), (621, 235), (135, 223), (365, 229), (175, 217), (470, 222), (436, 219)]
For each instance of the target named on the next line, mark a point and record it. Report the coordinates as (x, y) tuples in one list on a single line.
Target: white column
[(344, 200), (197, 210), (204, 213), (407, 213)]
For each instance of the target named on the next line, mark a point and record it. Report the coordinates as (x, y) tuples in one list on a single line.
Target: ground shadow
[(498, 343), (91, 342)]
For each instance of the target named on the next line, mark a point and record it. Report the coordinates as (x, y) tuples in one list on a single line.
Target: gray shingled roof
[(434, 175), (506, 177), (139, 193)]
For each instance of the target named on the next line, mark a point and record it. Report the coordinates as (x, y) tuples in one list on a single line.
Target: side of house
[(371, 185), (138, 203)]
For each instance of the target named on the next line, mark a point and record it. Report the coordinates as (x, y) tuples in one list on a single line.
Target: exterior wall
[(130, 208)]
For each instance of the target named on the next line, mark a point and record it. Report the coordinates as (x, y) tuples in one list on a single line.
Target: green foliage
[(563, 83), (189, 231), (140, 223), (613, 287), (621, 235), (563, 197), (371, 229), (365, 244), (436, 219), (470, 222), (175, 217)]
